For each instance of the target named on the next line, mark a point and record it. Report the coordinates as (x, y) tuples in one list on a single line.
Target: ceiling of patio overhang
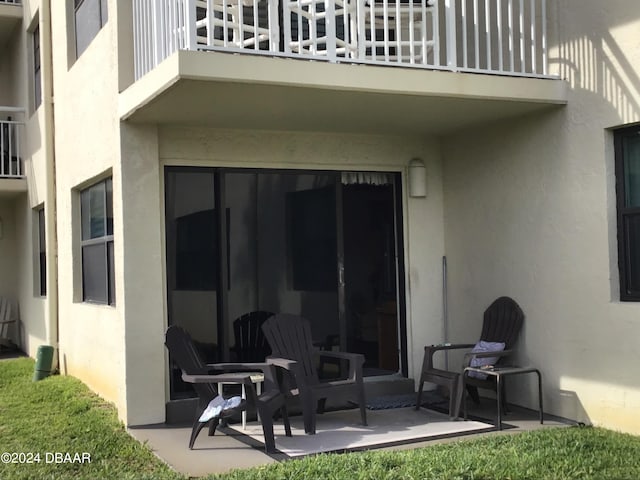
[(252, 92), (10, 18)]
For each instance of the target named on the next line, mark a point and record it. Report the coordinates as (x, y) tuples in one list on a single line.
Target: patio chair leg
[(363, 405), (419, 398), (197, 426), (212, 426), (285, 419), (321, 404), (267, 430)]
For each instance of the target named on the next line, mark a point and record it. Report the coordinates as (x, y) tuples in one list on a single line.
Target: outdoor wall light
[(417, 178)]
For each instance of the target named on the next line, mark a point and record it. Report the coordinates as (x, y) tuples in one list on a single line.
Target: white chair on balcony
[(398, 31), (305, 31), (243, 24)]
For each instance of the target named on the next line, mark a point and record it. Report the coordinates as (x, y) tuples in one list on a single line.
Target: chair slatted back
[(250, 342), (503, 321), (183, 352), (290, 337)]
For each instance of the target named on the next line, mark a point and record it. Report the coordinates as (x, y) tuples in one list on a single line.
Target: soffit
[(254, 92)]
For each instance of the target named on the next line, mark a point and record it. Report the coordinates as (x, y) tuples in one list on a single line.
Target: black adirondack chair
[(292, 349), (502, 322), (205, 377), (250, 342)]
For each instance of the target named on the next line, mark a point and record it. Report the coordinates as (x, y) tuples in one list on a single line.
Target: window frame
[(37, 67), (103, 17), (106, 239), (624, 212)]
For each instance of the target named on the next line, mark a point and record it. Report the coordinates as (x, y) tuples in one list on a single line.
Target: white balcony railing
[(10, 157), (490, 36), (10, 1)]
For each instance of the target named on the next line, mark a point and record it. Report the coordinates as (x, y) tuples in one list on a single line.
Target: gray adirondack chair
[(292, 349), (502, 322), (205, 377)]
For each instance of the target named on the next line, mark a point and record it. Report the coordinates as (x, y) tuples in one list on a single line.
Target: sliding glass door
[(318, 244)]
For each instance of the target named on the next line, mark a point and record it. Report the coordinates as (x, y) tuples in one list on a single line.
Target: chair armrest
[(223, 378), (356, 361), (267, 370), (430, 350)]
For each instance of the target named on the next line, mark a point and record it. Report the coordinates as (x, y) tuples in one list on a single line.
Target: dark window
[(37, 78), (98, 283), (627, 153), (42, 246), (90, 17)]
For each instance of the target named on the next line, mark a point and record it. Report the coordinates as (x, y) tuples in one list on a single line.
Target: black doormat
[(430, 400)]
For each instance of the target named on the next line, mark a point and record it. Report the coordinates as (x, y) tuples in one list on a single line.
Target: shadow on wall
[(571, 407), (594, 61)]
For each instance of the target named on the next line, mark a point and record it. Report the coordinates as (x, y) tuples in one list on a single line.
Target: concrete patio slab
[(224, 452)]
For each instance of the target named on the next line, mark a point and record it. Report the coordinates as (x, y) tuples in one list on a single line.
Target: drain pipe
[(445, 313)]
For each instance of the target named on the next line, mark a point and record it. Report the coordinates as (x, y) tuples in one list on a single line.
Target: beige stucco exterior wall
[(530, 212), (35, 327), (92, 337)]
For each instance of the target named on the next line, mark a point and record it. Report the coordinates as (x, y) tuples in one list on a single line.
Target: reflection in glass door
[(318, 244)]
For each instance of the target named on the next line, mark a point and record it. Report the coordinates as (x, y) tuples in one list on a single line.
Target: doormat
[(385, 402), (341, 431)]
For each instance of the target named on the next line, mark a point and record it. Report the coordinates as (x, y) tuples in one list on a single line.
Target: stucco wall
[(530, 212), (92, 337)]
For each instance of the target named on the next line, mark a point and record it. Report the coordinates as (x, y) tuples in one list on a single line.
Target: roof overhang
[(240, 91)]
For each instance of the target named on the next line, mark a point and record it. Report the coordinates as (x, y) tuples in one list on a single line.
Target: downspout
[(51, 231), (445, 313)]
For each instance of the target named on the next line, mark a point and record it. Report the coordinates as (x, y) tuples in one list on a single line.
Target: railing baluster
[(211, 29), (533, 37), (225, 24), (499, 27), (412, 26), (300, 36), (256, 30), (372, 28), (522, 57), (423, 30), (398, 28), (487, 29), (512, 67), (465, 26), (476, 33), (450, 6), (385, 14), (274, 28), (543, 20), (330, 29), (435, 37)]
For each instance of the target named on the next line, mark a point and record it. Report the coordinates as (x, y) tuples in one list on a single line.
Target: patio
[(232, 450)]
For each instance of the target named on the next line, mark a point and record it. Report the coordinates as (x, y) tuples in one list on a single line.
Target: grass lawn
[(59, 414)]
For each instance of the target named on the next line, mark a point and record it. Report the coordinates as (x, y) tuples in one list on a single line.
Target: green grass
[(59, 414), (554, 454)]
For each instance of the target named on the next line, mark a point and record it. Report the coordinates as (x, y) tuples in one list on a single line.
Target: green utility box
[(44, 361)]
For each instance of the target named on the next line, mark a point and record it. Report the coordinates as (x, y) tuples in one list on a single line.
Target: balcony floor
[(240, 91)]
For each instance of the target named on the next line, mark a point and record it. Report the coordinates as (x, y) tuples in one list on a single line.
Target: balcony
[(12, 178), (302, 64), (10, 17), (489, 36)]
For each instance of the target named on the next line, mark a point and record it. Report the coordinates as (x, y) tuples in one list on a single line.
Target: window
[(96, 213), (90, 16), (627, 155), (42, 247), (37, 77)]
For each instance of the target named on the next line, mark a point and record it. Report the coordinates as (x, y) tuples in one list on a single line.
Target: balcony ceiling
[(254, 92), (10, 17)]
